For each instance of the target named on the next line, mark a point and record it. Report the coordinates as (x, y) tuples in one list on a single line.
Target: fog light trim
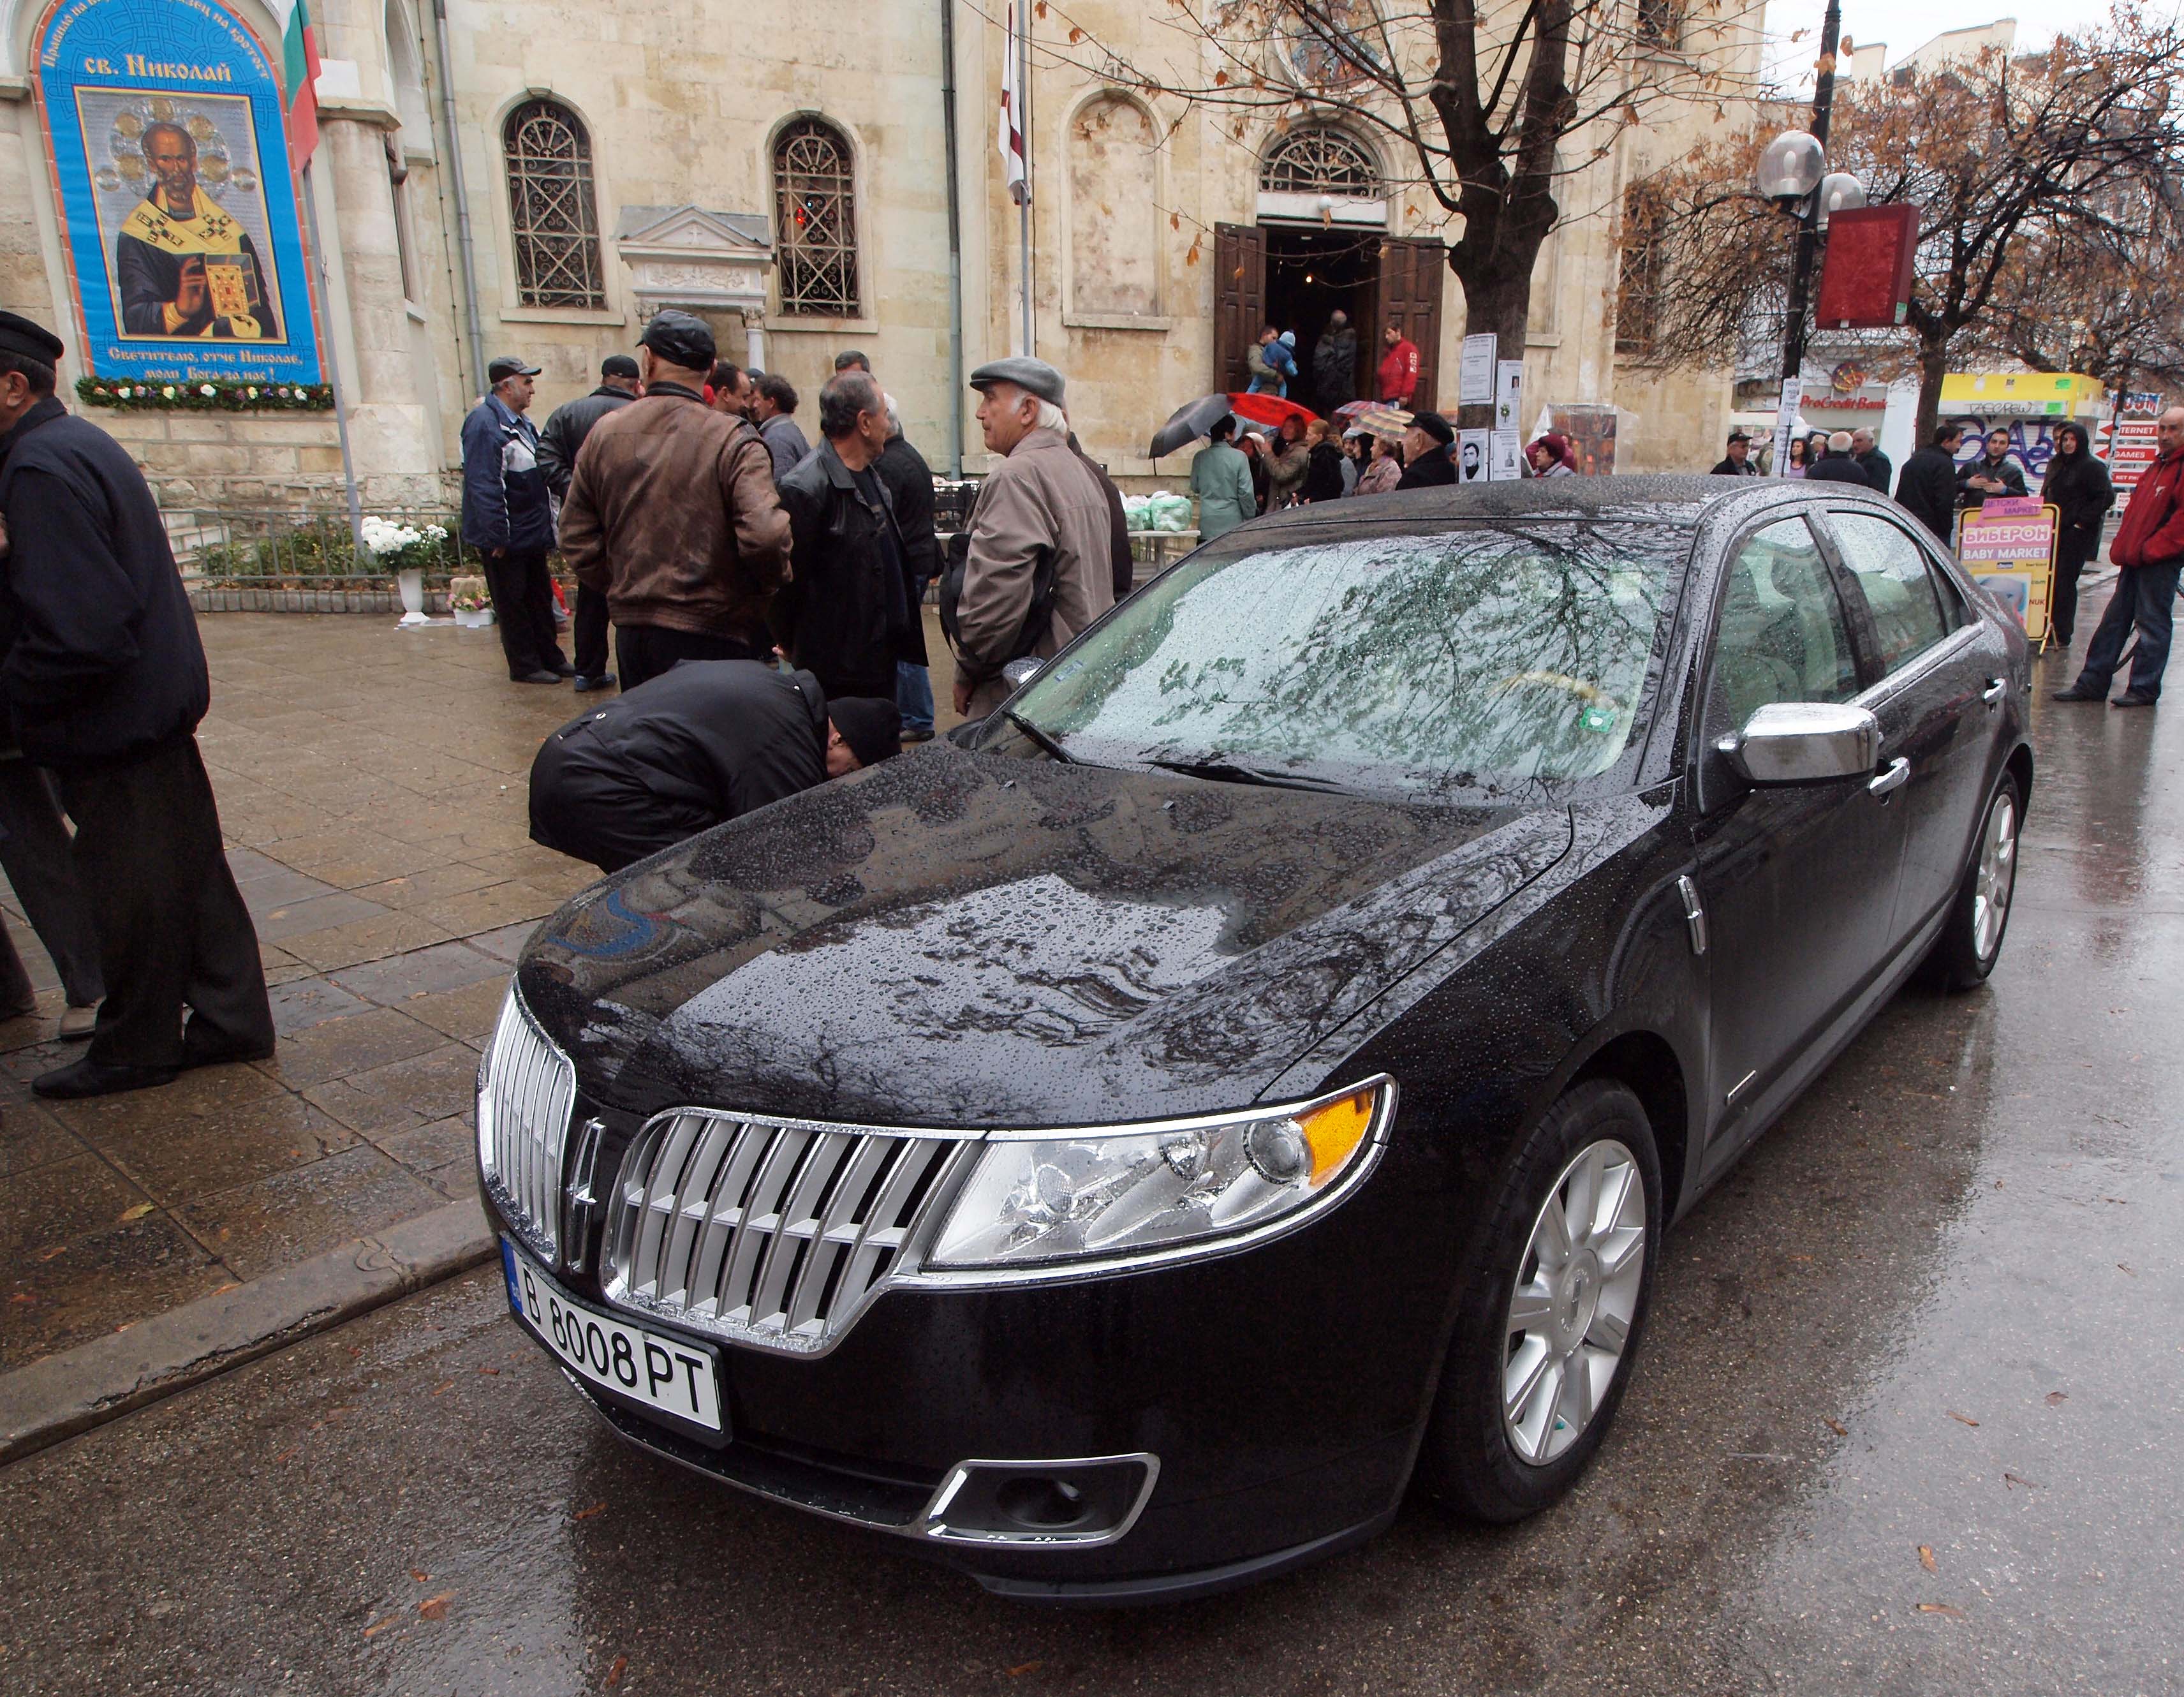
[(952, 1495)]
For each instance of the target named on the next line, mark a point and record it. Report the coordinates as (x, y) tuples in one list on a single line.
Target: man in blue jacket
[(507, 518), (102, 675)]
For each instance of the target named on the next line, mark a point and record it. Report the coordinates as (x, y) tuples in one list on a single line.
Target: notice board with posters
[(2008, 545), (162, 120)]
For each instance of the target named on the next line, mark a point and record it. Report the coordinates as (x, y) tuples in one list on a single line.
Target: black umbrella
[(1188, 423)]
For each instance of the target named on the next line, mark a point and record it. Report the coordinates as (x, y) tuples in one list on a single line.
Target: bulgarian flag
[(299, 67)]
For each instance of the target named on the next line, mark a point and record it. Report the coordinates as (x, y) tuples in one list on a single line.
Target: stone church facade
[(537, 177)]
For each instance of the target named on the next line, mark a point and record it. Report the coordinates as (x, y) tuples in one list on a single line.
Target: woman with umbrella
[(1221, 478)]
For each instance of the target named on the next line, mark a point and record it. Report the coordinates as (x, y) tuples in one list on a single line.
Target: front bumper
[(1282, 1390)]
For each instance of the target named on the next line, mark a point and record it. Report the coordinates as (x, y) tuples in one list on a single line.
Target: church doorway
[(1311, 275)]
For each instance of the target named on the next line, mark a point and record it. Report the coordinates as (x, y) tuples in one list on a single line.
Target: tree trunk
[(1933, 365), (1497, 299)]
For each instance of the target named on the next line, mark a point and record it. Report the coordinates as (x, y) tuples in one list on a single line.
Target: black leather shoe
[(2074, 694), (585, 685), (542, 676), (2129, 700), (221, 1053), (562, 669), (87, 1077)]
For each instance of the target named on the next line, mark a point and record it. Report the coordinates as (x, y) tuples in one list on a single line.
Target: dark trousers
[(34, 848), (2072, 552), (583, 806), (172, 928), (523, 610), (2144, 597), (589, 625), (646, 650)]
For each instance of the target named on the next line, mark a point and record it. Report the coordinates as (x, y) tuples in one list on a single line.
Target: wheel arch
[(1646, 1064), (2020, 767)]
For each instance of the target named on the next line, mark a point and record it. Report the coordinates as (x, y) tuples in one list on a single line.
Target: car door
[(1796, 885), (1944, 672)]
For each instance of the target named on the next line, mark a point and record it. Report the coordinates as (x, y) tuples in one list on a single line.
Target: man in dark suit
[(102, 673)]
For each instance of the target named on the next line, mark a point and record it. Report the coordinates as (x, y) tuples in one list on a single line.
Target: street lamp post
[(1793, 174)]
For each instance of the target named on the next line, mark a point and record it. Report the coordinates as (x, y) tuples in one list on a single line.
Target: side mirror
[(1804, 742), (1018, 673)]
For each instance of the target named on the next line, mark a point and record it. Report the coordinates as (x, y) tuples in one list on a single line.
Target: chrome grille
[(768, 1231), (526, 1093)]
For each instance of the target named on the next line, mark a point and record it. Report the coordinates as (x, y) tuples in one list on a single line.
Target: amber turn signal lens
[(1334, 1132)]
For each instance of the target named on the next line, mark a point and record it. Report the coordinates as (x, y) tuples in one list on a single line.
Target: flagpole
[(1023, 202), (333, 359)]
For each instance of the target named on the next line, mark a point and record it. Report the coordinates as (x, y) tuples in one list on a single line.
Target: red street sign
[(1865, 280)]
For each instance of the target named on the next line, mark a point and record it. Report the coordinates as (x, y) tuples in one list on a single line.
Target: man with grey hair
[(844, 614), (1038, 569), (1836, 467), (1879, 470)]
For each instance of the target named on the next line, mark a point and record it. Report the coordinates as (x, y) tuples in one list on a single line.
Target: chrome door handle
[(1997, 687), (1895, 778)]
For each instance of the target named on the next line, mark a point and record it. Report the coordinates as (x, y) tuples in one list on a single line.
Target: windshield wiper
[(1046, 740), (1226, 772)]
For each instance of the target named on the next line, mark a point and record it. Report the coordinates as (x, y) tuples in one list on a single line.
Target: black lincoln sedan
[(1122, 1150)]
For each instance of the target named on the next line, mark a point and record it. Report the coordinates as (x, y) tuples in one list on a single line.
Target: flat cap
[(681, 339), (19, 335), (1434, 426), (508, 366), (1033, 376)]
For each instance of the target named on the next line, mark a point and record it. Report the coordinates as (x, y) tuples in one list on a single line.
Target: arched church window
[(551, 208), (1320, 161), (814, 220)]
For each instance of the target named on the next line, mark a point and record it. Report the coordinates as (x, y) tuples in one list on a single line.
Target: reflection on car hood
[(959, 939)]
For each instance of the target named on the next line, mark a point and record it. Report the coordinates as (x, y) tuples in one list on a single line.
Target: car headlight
[(1080, 1196)]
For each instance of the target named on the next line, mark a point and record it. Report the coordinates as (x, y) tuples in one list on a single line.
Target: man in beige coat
[(1040, 496)]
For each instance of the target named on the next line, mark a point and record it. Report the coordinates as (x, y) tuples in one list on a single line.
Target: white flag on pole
[(1011, 135)]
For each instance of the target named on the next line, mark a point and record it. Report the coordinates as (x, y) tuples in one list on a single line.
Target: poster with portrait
[(163, 122), (1471, 452)]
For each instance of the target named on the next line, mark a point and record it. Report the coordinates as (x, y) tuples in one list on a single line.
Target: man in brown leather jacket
[(672, 512)]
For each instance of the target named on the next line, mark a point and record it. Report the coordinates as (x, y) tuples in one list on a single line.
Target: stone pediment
[(696, 259)]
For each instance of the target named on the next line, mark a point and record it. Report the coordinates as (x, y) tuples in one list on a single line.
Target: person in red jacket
[(1399, 369), (2148, 549)]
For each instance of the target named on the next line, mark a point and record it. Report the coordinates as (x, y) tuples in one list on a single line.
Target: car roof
[(1683, 500)]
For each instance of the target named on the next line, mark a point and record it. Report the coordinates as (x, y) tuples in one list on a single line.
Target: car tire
[(1492, 1451), (1979, 917)]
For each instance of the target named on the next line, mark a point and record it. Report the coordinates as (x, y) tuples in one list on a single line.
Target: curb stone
[(95, 1382)]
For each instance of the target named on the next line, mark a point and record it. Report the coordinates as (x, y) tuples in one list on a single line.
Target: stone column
[(754, 336)]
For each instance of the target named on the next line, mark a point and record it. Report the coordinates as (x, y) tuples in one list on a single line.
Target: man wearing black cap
[(105, 680), (507, 517), (1426, 464), (673, 514), (558, 444), (692, 748), (1737, 461)]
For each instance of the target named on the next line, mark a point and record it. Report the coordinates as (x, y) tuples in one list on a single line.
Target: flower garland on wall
[(212, 395)]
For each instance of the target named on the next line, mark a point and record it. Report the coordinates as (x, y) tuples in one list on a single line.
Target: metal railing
[(270, 547)]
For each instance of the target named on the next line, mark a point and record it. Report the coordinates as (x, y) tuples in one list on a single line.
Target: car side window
[(1909, 612), (1782, 635)]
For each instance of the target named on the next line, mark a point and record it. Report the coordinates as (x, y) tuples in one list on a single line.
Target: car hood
[(969, 939)]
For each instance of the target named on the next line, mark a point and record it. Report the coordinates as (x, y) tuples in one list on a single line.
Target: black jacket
[(1323, 480), (908, 483), (699, 745), (101, 660), (566, 431), (1879, 470), (1729, 468), (1971, 500), (1428, 470), (1335, 369), (2078, 486), (1926, 488), (1838, 468), (843, 615)]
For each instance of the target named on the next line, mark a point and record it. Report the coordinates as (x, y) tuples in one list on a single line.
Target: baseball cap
[(619, 365)]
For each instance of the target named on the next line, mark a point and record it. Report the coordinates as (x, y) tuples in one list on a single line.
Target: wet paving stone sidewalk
[(371, 785)]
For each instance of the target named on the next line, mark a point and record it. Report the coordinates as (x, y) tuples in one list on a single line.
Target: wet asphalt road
[(1907, 1421)]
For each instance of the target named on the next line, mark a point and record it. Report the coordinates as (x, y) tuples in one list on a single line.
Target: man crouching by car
[(704, 742)]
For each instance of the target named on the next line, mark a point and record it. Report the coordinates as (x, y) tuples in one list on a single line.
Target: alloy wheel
[(1997, 878), (1576, 1293)]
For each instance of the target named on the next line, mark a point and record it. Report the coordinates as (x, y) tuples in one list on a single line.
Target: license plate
[(667, 1374)]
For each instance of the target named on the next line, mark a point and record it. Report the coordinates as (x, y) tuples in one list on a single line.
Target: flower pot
[(474, 618), (412, 586)]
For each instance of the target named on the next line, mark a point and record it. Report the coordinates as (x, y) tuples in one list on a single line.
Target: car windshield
[(1480, 656)]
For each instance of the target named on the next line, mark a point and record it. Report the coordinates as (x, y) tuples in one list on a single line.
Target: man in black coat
[(908, 483), (1334, 365), (557, 445), (1836, 467), (700, 744), (845, 614), (105, 680), (1926, 488), (1737, 461), (1879, 470), (1426, 464), (1993, 473)]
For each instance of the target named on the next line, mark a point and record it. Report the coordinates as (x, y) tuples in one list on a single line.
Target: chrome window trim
[(930, 1524)]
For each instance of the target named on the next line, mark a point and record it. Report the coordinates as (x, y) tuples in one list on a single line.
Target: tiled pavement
[(372, 784)]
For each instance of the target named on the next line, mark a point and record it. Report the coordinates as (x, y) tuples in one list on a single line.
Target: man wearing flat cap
[(673, 513), (1426, 464), (105, 680), (558, 444), (507, 518), (1039, 568)]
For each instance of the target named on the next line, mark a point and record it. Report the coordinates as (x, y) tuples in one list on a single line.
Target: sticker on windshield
[(1596, 719)]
